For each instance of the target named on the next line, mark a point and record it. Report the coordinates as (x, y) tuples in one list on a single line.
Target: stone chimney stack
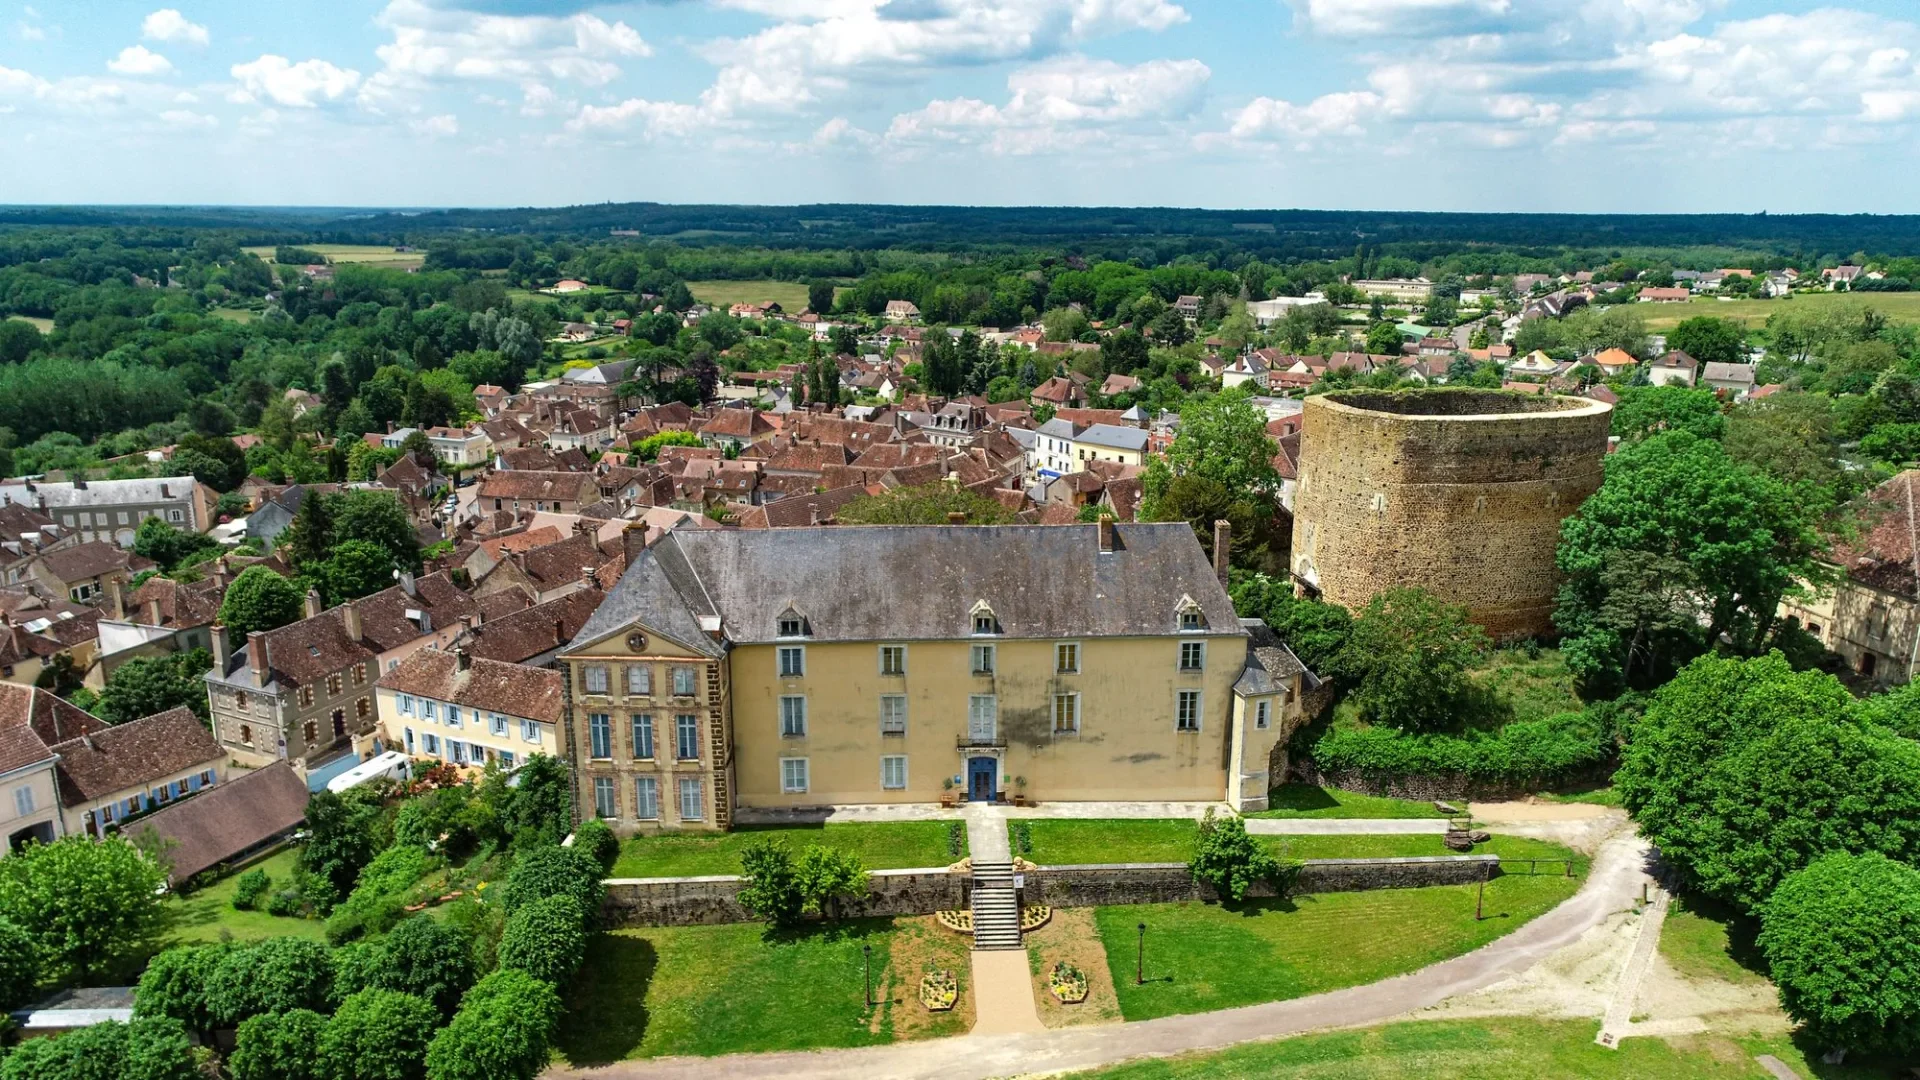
[(222, 648), (1105, 528), (463, 658), (152, 612), (257, 656), (313, 603), (116, 599), (1222, 549), (350, 619), (633, 541)]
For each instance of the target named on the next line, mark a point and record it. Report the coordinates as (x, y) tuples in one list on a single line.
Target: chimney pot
[(633, 541), (1105, 529), (1222, 549), (222, 647)]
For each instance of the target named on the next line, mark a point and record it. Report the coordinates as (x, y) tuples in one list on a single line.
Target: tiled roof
[(518, 637), (33, 720), (230, 818), (134, 754), (88, 560), (539, 486), (736, 423), (486, 685)]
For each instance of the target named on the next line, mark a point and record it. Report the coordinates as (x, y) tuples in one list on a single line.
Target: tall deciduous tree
[(1709, 339), (1407, 657), (259, 599), (1649, 410), (154, 684), (88, 905), (379, 1035), (1842, 942)]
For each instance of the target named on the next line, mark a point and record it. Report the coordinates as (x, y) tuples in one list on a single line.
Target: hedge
[(379, 896), (1532, 753)]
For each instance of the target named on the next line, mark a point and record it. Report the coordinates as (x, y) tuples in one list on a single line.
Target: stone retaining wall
[(698, 900), (1423, 787)]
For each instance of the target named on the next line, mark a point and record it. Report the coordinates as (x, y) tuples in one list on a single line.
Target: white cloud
[(840, 131), (186, 118), (168, 24), (443, 126), (30, 32), (1063, 102), (1344, 113), (138, 60), (655, 119), (16, 84), (432, 43), (302, 85)]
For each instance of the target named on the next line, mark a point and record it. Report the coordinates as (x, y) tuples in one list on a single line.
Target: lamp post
[(867, 951), (1140, 959)]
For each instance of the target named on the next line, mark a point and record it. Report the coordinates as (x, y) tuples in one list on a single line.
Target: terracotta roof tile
[(228, 819), (134, 754), (485, 685)]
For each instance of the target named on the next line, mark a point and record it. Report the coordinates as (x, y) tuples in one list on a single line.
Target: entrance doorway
[(981, 775)]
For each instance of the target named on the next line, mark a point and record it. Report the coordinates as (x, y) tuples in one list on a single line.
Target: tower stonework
[(1460, 492)]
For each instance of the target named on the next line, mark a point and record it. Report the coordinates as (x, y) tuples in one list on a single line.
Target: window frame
[(699, 798), (641, 802), (1181, 723), (797, 654), (979, 650), (595, 673), (640, 731), (1262, 714), (1197, 649), (992, 712), (788, 786), (899, 731), (607, 809), (645, 687), (693, 680), (1061, 649), (793, 716), (884, 759), (899, 652), (1071, 699), (681, 743), (599, 737)]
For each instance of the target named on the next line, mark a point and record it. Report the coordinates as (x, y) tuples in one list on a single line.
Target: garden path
[(1003, 993), (1612, 886)]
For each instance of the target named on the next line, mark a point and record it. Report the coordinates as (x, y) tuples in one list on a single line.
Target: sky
[(1485, 105)]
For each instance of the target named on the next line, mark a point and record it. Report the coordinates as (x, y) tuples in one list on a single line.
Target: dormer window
[(793, 624), (1191, 618), (983, 619)]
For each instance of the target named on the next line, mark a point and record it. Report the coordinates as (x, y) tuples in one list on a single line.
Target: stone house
[(84, 572), (32, 723), (449, 706), (559, 492), (1673, 367), (108, 777), (1871, 617), (778, 669), (113, 509)]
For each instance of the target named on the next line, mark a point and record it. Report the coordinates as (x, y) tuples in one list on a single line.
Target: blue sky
[(1579, 105)]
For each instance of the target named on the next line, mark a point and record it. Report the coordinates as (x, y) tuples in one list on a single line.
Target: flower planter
[(1068, 983), (939, 990)]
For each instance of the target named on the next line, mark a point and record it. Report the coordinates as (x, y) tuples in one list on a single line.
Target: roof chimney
[(350, 619), (1222, 548), (153, 611), (222, 648), (257, 656), (633, 541), (1105, 528), (407, 584), (463, 658), (313, 603), (116, 599)]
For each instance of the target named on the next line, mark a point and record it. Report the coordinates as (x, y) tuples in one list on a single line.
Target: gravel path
[(1612, 886)]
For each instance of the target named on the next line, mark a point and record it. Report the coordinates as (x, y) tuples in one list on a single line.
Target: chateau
[(807, 667)]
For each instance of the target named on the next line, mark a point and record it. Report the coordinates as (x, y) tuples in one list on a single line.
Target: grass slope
[(1070, 842), (204, 915), (891, 845), (1202, 957), (1308, 801), (45, 326), (790, 295)]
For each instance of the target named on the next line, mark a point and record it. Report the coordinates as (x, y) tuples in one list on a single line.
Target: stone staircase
[(996, 909)]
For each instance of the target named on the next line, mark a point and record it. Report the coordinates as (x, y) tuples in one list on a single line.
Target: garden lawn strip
[(888, 845), (1078, 842), (1309, 801), (1492, 1049), (735, 988), (1201, 957), (1072, 936), (1700, 941), (202, 916), (1509, 848), (921, 945)]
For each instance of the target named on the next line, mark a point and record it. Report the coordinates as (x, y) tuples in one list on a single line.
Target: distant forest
[(1148, 235)]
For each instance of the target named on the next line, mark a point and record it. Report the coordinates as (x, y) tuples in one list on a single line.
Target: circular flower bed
[(939, 990), (1068, 983)]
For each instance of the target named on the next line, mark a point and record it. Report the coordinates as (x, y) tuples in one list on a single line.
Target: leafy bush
[(248, 888), (1313, 629), (278, 1046), (772, 889), (426, 959), (1225, 857), (88, 905), (152, 1048), (176, 985), (274, 975), (19, 966), (378, 1035), (501, 1031), (546, 939), (1534, 753), (596, 839), (827, 875), (552, 870), (1406, 658), (378, 899), (1839, 941), (356, 967)]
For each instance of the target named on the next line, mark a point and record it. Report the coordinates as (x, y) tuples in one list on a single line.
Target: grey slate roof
[(1269, 663), (916, 582), (101, 492), (1124, 438)]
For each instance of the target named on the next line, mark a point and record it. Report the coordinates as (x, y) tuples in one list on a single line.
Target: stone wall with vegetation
[(692, 900), (1166, 883)]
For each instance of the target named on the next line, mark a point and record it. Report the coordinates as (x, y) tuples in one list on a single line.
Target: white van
[(392, 765)]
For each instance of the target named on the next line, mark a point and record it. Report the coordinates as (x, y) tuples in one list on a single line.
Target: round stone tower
[(1454, 490)]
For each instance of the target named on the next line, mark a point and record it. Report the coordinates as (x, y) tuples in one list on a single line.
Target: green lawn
[(1604, 795), (1709, 943), (204, 915), (45, 326), (1308, 801), (736, 988), (239, 315), (1500, 1049), (790, 295), (891, 845), (1899, 307), (1066, 842), (1202, 957), (1535, 687), (376, 254)]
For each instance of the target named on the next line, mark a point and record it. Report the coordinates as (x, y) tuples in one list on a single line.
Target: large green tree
[(1407, 657), (270, 976), (1709, 339), (1743, 771), (500, 1033), (1842, 942), (1650, 410), (259, 599), (278, 1046), (379, 1035), (88, 905), (154, 684), (1735, 539)]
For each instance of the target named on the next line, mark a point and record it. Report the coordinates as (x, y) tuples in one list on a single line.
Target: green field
[(790, 295), (742, 988), (45, 326), (1502, 1049), (1900, 307), (1069, 842), (1308, 801), (890, 845), (1201, 957), (239, 315), (375, 254), (1708, 943), (209, 915)]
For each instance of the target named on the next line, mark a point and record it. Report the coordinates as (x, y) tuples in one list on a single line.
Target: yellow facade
[(407, 727), (689, 777)]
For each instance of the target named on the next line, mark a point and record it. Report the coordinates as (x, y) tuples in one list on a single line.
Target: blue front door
[(980, 776)]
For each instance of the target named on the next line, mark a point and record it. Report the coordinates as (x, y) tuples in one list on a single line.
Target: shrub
[(87, 904), (378, 1035), (378, 899), (176, 985), (1839, 940), (248, 889), (278, 1046), (1406, 658), (274, 975), (355, 968), (546, 939), (424, 958), (551, 870), (152, 1048), (1531, 753), (1225, 857), (500, 1033), (19, 967), (286, 903), (596, 839), (827, 875), (772, 889)]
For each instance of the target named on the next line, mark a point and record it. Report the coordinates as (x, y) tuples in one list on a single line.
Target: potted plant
[(1020, 795), (946, 791)]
